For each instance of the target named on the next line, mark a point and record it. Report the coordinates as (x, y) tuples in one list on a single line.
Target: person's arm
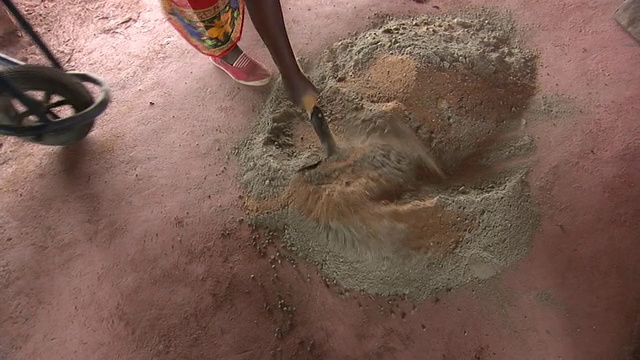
[(267, 18)]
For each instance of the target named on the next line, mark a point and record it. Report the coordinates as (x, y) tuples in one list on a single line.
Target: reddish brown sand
[(133, 246)]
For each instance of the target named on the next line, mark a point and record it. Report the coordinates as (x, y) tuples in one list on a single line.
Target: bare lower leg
[(267, 18)]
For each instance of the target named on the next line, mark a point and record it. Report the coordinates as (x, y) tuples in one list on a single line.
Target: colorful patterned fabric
[(213, 27)]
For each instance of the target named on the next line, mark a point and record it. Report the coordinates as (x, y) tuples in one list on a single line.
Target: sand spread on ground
[(405, 100)]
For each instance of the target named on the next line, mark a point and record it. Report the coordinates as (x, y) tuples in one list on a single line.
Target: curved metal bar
[(100, 104), (83, 117), (26, 100), (8, 61)]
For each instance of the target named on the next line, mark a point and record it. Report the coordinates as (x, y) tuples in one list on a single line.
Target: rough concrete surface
[(136, 245)]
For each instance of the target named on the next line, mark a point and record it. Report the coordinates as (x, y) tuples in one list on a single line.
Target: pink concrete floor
[(132, 246)]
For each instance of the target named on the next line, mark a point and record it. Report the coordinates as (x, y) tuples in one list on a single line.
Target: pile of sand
[(404, 100)]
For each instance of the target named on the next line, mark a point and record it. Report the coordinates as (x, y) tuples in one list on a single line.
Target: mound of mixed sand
[(408, 102)]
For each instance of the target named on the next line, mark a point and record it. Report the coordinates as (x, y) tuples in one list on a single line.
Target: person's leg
[(267, 18), (214, 28)]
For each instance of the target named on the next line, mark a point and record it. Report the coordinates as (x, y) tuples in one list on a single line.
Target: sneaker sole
[(248, 83)]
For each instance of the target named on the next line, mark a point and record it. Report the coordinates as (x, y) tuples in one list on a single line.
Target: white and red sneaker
[(245, 70)]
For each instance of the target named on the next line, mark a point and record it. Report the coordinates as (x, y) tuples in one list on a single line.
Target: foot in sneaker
[(245, 70)]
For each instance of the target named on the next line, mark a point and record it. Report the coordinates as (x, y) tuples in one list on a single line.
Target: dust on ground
[(407, 101)]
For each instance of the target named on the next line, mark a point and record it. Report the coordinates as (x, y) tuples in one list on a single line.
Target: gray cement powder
[(456, 85)]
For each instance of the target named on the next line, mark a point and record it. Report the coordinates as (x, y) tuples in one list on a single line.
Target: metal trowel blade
[(310, 166)]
